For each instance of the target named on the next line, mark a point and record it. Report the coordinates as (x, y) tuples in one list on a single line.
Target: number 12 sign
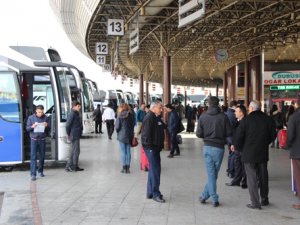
[(101, 48), (115, 27)]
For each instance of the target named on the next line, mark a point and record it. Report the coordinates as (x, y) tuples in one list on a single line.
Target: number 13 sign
[(115, 27)]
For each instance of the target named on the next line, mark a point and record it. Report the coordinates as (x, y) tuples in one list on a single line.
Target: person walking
[(37, 125), (173, 128), (140, 114), (153, 140), (97, 115), (293, 144), (74, 132), (254, 134), (125, 132), (108, 117), (214, 127), (278, 118), (239, 169)]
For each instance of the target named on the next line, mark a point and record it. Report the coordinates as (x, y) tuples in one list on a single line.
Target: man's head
[(39, 110), (240, 112), (156, 108), (76, 106), (213, 101), (98, 106), (254, 106), (147, 108), (143, 106), (233, 104), (169, 107)]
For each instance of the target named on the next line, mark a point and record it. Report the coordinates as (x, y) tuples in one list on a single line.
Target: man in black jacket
[(97, 114), (254, 135), (214, 127), (293, 144), (74, 131), (153, 141), (173, 128)]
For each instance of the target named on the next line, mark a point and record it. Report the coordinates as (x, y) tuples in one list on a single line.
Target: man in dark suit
[(254, 135)]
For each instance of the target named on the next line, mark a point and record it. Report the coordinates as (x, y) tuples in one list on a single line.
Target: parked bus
[(21, 77)]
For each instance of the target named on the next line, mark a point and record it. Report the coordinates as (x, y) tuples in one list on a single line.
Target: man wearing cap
[(214, 127), (173, 127)]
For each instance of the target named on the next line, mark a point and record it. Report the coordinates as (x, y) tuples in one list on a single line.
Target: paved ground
[(102, 195)]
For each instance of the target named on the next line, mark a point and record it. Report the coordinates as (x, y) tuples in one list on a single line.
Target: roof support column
[(255, 77), (225, 86), (141, 96), (217, 90), (147, 93), (167, 95), (246, 74), (232, 82)]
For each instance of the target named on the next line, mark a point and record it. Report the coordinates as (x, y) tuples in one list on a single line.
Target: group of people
[(248, 138)]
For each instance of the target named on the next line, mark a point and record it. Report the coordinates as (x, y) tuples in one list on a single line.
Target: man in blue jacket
[(173, 127), (74, 131), (37, 125)]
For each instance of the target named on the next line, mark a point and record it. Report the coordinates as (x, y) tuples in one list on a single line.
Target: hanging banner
[(134, 41)]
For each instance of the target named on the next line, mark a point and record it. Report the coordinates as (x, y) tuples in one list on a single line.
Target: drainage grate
[(1, 201)]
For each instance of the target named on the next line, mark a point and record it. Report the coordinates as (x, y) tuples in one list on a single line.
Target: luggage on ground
[(144, 160), (282, 138)]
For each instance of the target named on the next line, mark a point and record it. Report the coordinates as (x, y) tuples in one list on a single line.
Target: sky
[(32, 22)]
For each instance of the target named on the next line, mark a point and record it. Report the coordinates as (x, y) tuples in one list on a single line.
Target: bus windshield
[(87, 97), (63, 92), (9, 97)]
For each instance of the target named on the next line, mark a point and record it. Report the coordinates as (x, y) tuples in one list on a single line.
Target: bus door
[(10, 119), (39, 84)]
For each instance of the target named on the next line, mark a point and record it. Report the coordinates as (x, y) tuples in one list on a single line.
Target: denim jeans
[(125, 153), (37, 145), (213, 157), (154, 173)]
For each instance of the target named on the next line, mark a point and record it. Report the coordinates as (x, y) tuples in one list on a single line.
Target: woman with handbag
[(125, 134)]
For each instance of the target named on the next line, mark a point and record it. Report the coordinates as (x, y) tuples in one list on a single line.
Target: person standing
[(74, 132), (108, 117), (293, 144), (37, 125), (214, 127), (140, 114), (254, 134), (173, 128), (153, 141), (97, 114), (239, 169), (125, 132)]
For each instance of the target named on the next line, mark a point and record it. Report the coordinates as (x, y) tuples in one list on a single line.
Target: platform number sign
[(106, 68), (100, 59), (101, 48), (115, 27)]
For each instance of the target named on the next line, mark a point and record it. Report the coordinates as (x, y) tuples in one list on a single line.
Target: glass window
[(9, 97), (87, 97), (63, 92)]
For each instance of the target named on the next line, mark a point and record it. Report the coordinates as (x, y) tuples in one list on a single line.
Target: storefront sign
[(285, 87), (289, 77)]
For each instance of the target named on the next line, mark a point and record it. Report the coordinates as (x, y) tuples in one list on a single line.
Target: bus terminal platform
[(101, 195)]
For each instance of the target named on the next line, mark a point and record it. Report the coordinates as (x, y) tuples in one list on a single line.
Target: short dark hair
[(147, 106), (233, 103), (41, 107), (243, 109), (213, 101), (75, 103)]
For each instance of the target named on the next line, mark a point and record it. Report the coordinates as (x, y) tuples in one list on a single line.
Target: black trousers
[(98, 126), (257, 178), (239, 170), (174, 144), (110, 125)]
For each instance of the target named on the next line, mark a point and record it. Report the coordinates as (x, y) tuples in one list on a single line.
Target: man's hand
[(34, 125)]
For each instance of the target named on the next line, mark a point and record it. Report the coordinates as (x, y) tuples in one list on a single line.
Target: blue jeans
[(125, 153), (213, 159), (37, 145), (154, 173)]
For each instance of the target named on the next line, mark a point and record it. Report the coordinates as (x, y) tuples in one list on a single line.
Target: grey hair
[(154, 104), (256, 105)]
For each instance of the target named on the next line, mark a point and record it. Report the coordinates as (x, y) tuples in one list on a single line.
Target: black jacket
[(125, 127), (254, 134), (173, 122), (153, 132), (293, 132), (74, 125), (214, 127), (97, 114), (33, 119)]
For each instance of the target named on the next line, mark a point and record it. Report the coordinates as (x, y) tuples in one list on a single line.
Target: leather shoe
[(78, 169), (159, 199), (170, 156), (296, 206), (202, 200), (244, 186), (149, 196), (176, 154), (216, 204), (232, 184), (253, 206), (265, 203), (68, 169)]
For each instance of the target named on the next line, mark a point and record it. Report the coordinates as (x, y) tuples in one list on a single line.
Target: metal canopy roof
[(243, 27)]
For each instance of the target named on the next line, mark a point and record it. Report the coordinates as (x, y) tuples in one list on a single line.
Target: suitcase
[(282, 138), (144, 160)]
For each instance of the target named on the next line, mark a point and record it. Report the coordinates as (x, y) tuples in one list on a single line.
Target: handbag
[(179, 139), (134, 142), (181, 127)]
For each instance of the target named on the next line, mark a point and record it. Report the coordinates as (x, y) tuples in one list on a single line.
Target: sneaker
[(33, 178), (170, 156), (68, 169), (41, 174)]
